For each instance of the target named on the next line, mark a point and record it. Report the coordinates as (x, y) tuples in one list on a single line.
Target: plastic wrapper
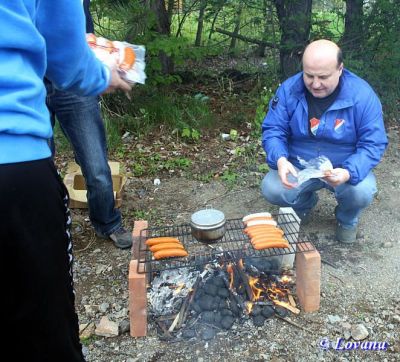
[(315, 168), (128, 58)]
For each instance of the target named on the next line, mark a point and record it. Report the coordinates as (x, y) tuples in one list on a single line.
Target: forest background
[(213, 66)]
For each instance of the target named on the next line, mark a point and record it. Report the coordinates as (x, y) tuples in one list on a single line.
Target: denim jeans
[(351, 199), (80, 120)]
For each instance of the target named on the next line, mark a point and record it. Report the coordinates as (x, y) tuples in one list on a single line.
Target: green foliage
[(229, 177), (152, 107), (261, 110), (381, 53), (263, 168), (190, 134)]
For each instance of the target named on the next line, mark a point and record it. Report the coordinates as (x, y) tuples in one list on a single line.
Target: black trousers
[(38, 312)]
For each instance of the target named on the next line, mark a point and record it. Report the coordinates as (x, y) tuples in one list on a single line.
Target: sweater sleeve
[(71, 63), (371, 138), (275, 129)]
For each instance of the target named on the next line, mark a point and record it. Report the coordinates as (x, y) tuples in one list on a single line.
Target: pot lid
[(207, 218)]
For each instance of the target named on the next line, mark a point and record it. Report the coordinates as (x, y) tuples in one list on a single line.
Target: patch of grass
[(183, 114)]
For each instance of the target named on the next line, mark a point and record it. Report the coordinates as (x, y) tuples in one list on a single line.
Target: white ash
[(169, 289)]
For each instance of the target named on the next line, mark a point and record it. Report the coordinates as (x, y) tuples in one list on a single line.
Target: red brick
[(137, 301), (139, 225), (308, 278)]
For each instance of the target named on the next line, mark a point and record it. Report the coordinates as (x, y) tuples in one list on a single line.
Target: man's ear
[(341, 66)]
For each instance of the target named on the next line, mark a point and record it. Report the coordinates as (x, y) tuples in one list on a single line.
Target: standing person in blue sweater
[(324, 110), (38, 38), (81, 121)]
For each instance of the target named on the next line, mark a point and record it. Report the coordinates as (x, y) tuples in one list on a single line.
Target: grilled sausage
[(261, 222), (266, 233), (128, 59), (253, 228), (271, 244), (162, 246), (258, 214), (265, 238), (162, 239), (169, 253), (257, 218)]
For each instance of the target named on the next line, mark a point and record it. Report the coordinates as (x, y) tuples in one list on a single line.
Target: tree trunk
[(162, 26), (353, 31), (238, 19), (200, 23), (295, 23)]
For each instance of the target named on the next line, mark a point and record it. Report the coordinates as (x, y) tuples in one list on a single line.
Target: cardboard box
[(76, 186)]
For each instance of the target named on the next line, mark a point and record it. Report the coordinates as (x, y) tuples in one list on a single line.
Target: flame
[(229, 269), (286, 279), (249, 307), (179, 287), (256, 291)]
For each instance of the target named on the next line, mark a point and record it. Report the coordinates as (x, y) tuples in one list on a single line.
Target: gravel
[(360, 298)]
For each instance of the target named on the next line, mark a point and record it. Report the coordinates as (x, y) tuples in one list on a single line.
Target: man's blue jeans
[(351, 199), (80, 120)]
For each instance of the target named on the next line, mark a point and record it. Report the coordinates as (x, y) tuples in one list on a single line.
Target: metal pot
[(208, 225)]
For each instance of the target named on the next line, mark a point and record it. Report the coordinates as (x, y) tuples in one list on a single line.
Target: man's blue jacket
[(351, 132)]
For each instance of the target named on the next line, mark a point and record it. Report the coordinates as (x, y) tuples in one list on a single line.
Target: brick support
[(308, 278), (137, 286), (137, 301)]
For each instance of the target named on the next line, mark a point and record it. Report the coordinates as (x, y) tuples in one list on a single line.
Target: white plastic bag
[(315, 168), (128, 58)]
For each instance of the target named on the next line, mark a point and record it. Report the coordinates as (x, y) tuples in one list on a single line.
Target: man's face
[(321, 78)]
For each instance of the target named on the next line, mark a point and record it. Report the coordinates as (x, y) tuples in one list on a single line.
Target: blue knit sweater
[(38, 38)]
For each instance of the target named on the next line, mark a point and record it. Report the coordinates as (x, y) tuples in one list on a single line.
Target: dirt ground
[(360, 283)]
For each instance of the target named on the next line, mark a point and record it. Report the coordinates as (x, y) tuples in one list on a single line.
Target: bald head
[(320, 51), (322, 67)]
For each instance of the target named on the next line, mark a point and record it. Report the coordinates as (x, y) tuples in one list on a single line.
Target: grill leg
[(292, 233)]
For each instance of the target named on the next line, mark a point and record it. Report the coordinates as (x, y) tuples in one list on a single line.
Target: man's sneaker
[(122, 238), (347, 236)]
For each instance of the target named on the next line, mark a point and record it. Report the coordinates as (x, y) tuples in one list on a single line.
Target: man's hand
[(116, 82), (337, 177), (285, 168)]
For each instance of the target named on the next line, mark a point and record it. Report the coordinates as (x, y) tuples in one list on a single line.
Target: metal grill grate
[(234, 245)]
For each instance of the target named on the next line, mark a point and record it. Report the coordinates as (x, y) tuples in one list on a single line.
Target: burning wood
[(287, 306), (219, 296)]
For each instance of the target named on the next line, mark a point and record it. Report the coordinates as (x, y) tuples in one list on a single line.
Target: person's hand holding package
[(287, 173), (116, 82), (337, 177)]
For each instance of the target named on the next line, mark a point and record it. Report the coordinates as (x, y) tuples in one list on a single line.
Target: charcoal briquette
[(218, 281), (258, 320), (188, 333), (207, 317), (223, 292), (210, 289), (281, 312), (196, 307), (207, 333), (206, 302), (217, 318), (267, 311), (256, 310), (226, 312), (227, 322)]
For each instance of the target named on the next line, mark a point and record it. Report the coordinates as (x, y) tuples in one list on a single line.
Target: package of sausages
[(128, 58)]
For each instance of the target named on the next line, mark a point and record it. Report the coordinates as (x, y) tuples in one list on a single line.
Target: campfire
[(186, 303), (212, 287)]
